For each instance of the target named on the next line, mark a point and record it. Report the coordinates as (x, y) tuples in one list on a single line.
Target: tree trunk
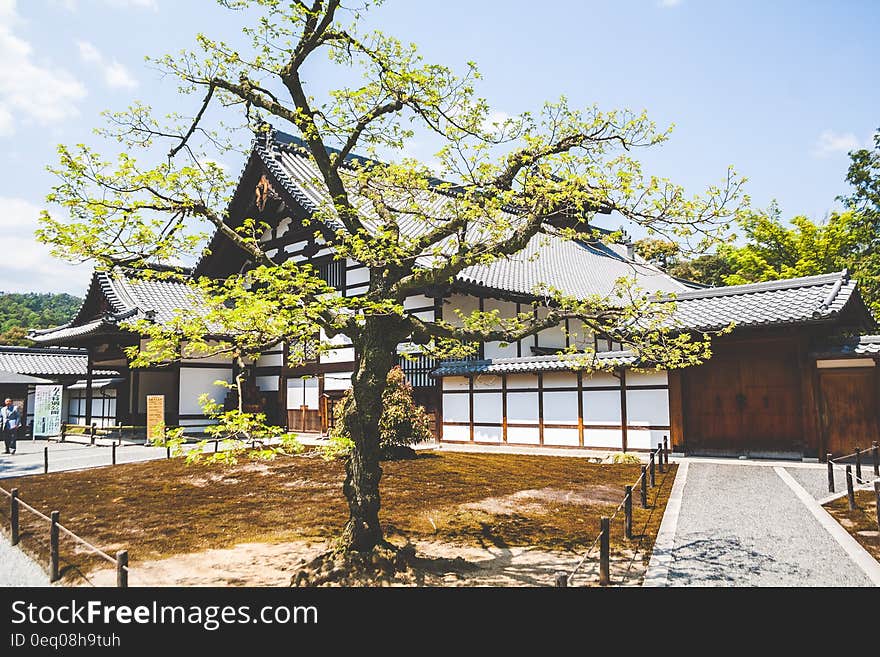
[(377, 351)]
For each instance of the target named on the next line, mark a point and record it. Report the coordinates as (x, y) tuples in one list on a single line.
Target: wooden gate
[(746, 399), (849, 408)]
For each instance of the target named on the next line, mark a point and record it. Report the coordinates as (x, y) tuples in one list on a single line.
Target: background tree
[(505, 182), (22, 311)]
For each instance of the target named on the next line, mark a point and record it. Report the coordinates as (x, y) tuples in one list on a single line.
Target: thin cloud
[(668, 4), (73, 5), (832, 143), (31, 92), (30, 267), (115, 74)]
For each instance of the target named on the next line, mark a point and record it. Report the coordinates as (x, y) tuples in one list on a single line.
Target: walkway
[(751, 524)]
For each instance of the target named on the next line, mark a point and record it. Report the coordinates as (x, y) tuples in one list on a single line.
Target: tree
[(506, 180), (707, 268)]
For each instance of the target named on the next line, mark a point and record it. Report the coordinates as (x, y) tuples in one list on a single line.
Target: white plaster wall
[(463, 302), (567, 437), (560, 380), (560, 407), (646, 378), (356, 276), (552, 337), (456, 432), (523, 435), (647, 407), (456, 408), (487, 382), (344, 355), (507, 310), (600, 379), (601, 407), (521, 381), (522, 407), (455, 383), (488, 434), (337, 381), (194, 382), (417, 301), (487, 407), (612, 438), (270, 360)]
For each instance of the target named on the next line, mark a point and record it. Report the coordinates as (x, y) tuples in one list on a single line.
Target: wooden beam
[(580, 394), (676, 409), (471, 406), (623, 417), (504, 408), (540, 408)]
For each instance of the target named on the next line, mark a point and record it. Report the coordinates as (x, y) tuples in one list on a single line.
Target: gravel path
[(17, 569), (741, 525)]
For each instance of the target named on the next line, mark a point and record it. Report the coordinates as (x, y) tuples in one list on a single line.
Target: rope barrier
[(87, 544), (33, 510), (584, 559)]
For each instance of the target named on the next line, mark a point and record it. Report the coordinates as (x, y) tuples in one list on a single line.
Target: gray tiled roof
[(868, 344), (14, 378), (862, 345), (574, 268), (130, 298), (531, 364), (795, 300), (37, 361)]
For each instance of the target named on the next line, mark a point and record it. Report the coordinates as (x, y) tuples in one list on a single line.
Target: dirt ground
[(474, 519)]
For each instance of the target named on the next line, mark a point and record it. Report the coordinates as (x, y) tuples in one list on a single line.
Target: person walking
[(10, 420)]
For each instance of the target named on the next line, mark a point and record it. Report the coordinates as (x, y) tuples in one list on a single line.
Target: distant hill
[(21, 312)]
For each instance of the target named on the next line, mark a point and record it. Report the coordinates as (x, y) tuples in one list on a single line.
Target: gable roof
[(795, 300), (123, 296), (575, 268), (553, 363)]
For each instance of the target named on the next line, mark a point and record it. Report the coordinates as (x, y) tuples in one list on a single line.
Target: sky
[(781, 91)]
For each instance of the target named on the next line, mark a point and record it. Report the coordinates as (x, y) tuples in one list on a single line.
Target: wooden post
[(113, 451), (122, 569), (13, 517), (63, 431), (302, 410), (167, 452), (92, 433), (644, 479), (628, 512), (562, 580), (604, 551), (651, 470), (830, 473), (875, 456), (46, 460), (666, 449), (850, 493), (858, 464), (216, 445), (660, 467), (877, 500), (53, 548)]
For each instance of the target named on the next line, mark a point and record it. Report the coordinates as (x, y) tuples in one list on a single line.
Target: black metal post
[(53, 548), (830, 473), (850, 493), (660, 468), (113, 451), (46, 460), (666, 449), (875, 456), (858, 464), (628, 512), (653, 481), (644, 482), (13, 517)]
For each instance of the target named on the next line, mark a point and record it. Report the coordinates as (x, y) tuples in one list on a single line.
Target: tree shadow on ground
[(722, 561)]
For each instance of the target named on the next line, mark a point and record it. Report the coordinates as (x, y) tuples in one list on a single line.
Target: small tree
[(505, 184)]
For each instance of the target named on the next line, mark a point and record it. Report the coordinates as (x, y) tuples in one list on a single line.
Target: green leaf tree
[(507, 181)]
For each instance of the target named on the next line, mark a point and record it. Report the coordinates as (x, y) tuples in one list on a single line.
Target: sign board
[(155, 415), (47, 410)]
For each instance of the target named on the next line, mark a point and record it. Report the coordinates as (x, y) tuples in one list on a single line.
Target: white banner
[(47, 410)]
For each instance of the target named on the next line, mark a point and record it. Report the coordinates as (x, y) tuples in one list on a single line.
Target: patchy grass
[(861, 523), (162, 508)]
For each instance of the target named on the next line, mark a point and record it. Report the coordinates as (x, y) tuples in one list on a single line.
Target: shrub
[(403, 424), (622, 457)]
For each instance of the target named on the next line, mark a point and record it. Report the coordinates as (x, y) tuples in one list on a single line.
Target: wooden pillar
[(540, 408), (580, 394), (89, 388), (471, 406), (504, 408), (676, 410), (623, 418)]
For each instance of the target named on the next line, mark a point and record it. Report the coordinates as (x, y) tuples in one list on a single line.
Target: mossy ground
[(162, 508), (861, 523)]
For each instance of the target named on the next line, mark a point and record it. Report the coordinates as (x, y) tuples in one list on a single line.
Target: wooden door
[(745, 400), (849, 409)]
